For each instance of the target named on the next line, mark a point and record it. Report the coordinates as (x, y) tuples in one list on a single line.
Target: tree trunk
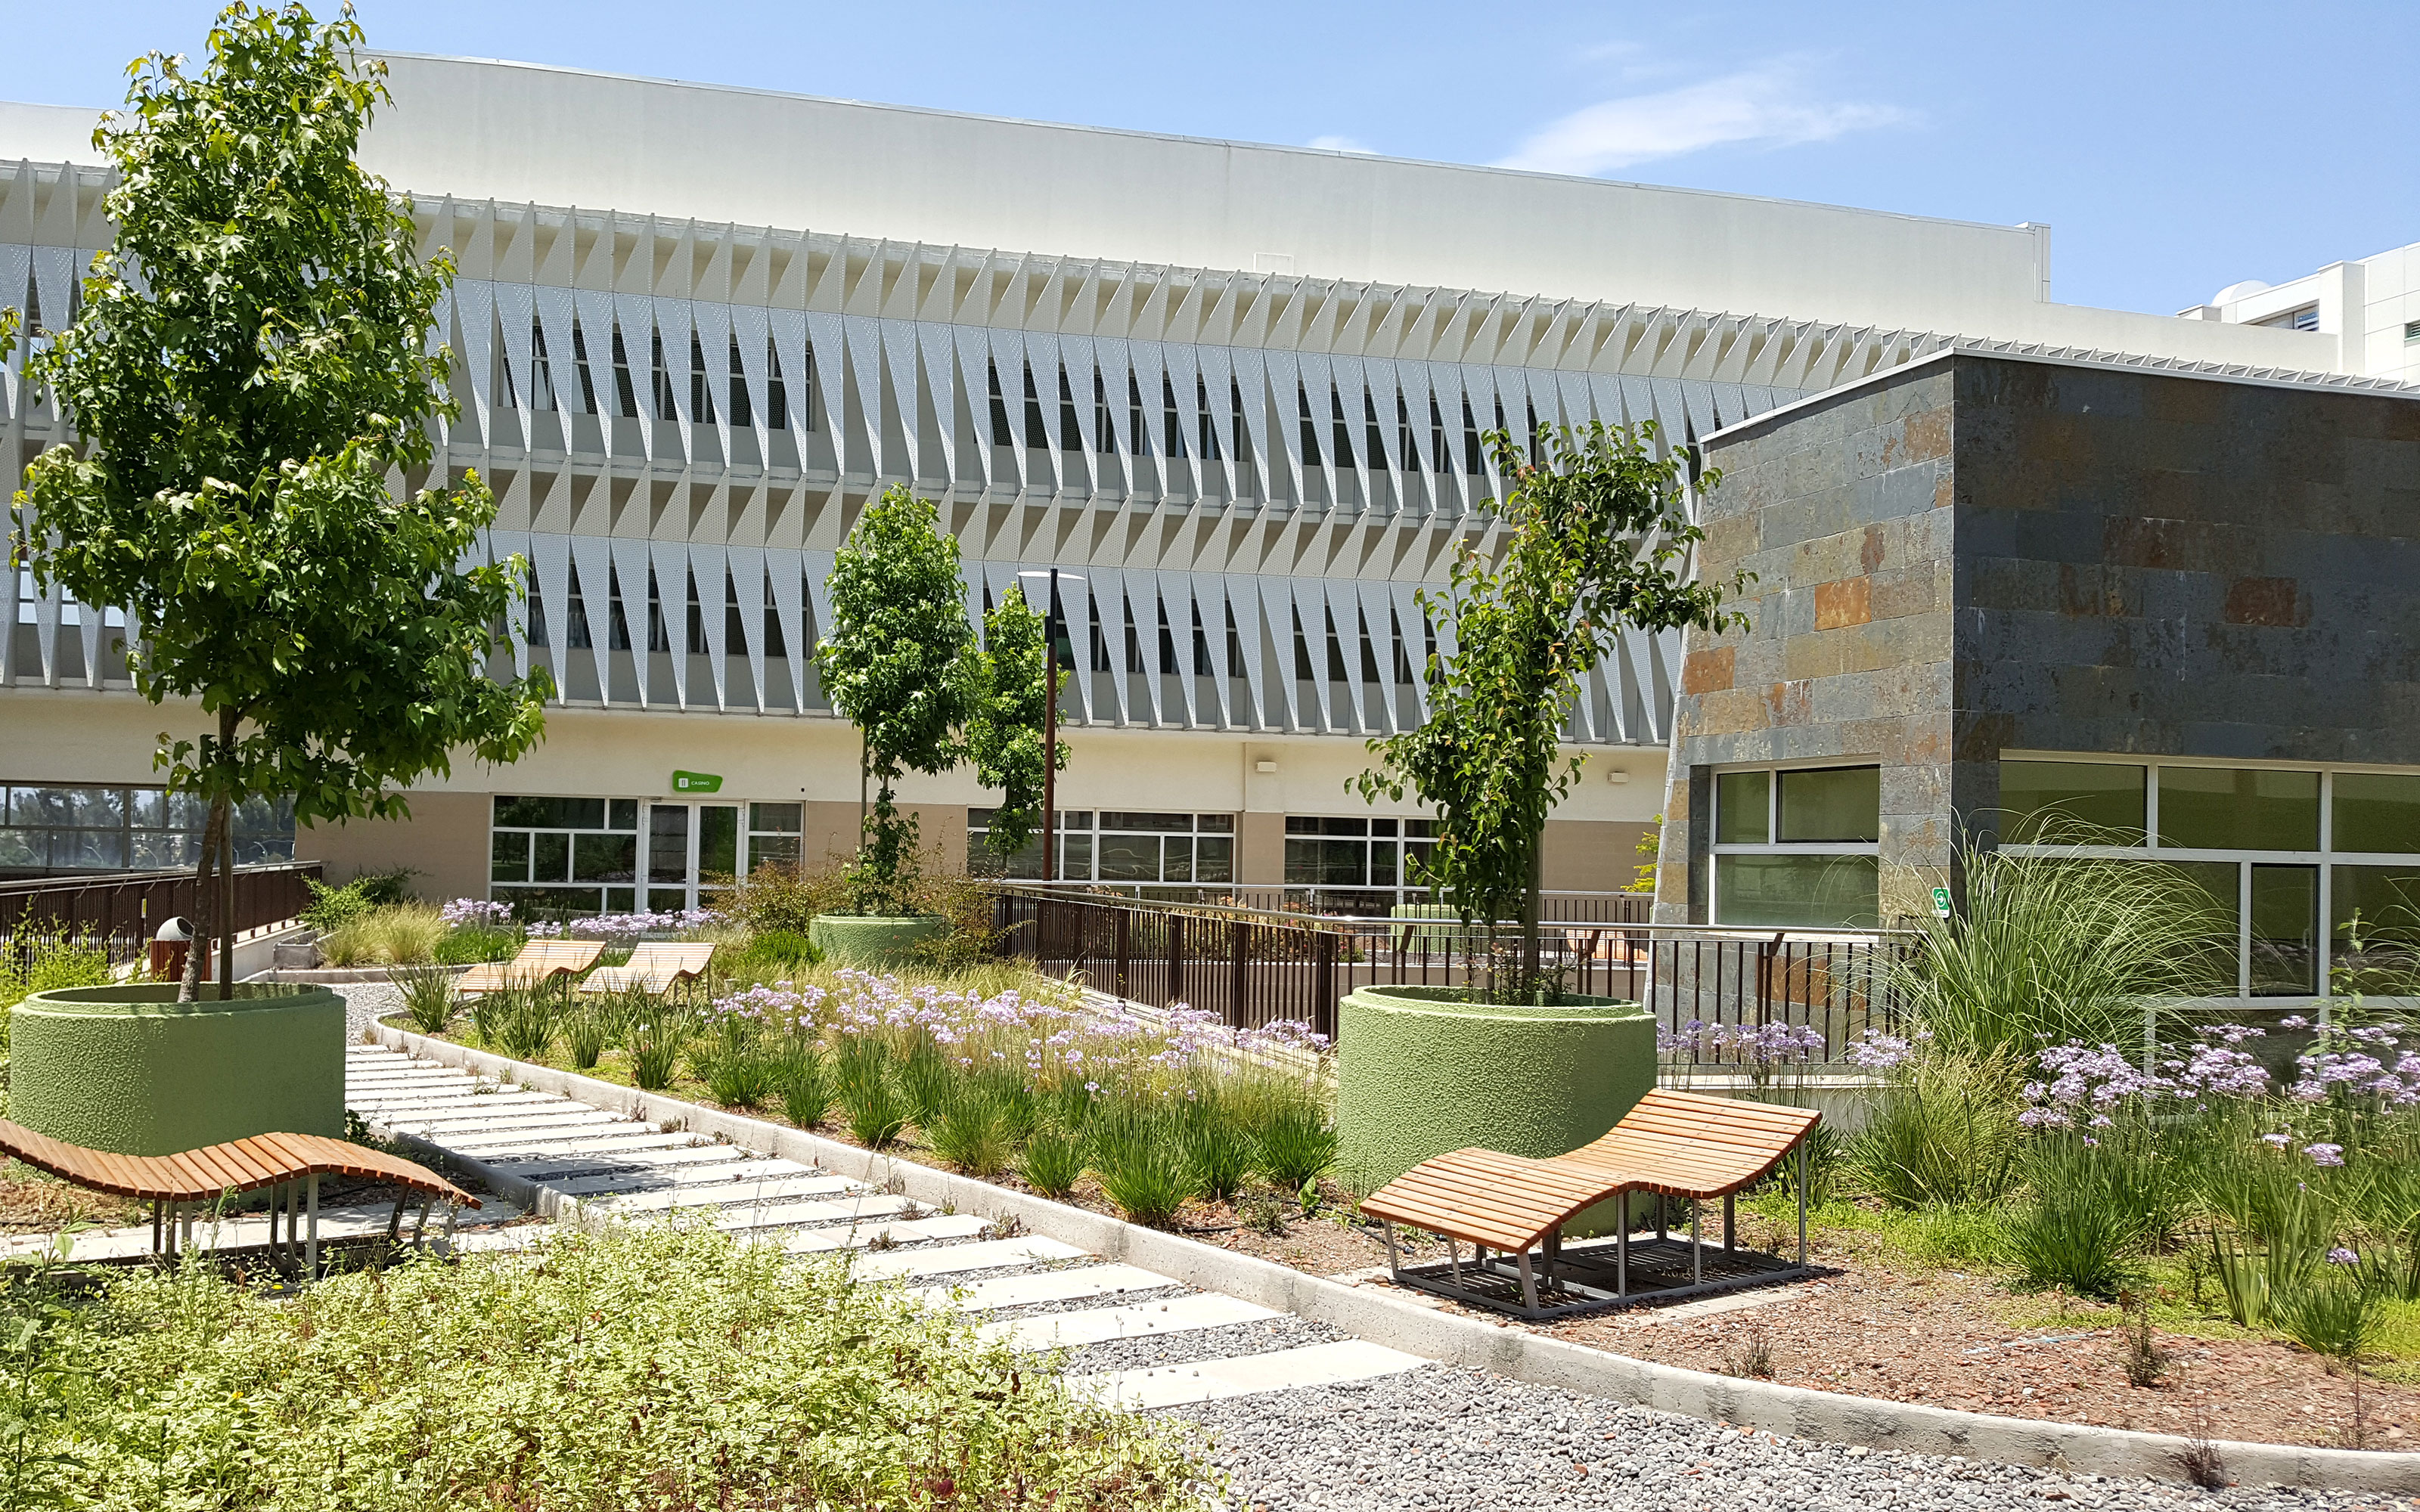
[(197, 942), (226, 899), (1530, 980)]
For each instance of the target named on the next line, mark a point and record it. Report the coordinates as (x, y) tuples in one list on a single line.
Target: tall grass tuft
[(527, 1024), (1139, 1153), (972, 1133), (427, 995), (587, 1031), (805, 1084), (870, 1102), (1294, 1144), (2083, 1226), (1943, 1131), (655, 1043), (1217, 1145), (397, 934), (926, 1081), (2061, 947), (1052, 1163)]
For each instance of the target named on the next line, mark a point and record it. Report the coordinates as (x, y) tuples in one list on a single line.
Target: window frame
[(2326, 858), (1769, 846)]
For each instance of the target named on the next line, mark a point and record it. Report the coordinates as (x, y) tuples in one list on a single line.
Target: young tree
[(249, 375), (1006, 737), (1595, 541), (896, 667)]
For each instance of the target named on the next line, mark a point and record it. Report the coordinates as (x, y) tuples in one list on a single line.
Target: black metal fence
[(122, 910), (1252, 969)]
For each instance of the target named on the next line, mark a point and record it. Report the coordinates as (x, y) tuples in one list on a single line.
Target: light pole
[(1050, 720)]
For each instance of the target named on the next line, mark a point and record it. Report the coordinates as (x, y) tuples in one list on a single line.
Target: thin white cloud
[(1767, 106), (1340, 144)]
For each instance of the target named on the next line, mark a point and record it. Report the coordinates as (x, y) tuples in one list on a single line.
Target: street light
[(1050, 716)]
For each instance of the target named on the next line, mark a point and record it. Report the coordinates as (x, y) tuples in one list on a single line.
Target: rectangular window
[(777, 393), (1113, 847), (541, 371), (1001, 434), (1798, 848), (2377, 812), (2239, 809), (742, 409), (2285, 960), (1036, 436), (579, 361), (774, 830), (2373, 925), (625, 393), (2075, 803), (1309, 428), (553, 855)]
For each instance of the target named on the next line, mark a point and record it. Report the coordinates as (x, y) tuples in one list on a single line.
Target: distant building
[(2372, 307), (1233, 394)]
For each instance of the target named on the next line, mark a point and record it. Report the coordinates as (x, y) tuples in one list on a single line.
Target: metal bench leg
[(1529, 1283), (420, 1225), (1729, 1243), (1453, 1258), (1394, 1262), (311, 1245), (395, 1219), (1622, 1251), (1697, 1250), (1801, 1202), (452, 1214)]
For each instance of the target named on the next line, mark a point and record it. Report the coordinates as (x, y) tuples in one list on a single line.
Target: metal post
[(1453, 1258), (1050, 738), (311, 1245), (395, 1219), (1529, 1283), (155, 1226), (420, 1224), (1394, 1262), (1622, 1251), (1728, 1245), (453, 1212), (1697, 1251), (1801, 1202)]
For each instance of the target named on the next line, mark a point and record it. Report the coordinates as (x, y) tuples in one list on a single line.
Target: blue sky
[(2172, 147)]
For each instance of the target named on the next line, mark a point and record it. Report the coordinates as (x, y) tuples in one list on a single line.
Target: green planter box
[(129, 1069), (1421, 1071), (874, 942)]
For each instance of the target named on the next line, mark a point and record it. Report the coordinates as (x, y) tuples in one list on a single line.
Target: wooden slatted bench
[(655, 968), (536, 964), (1681, 1145), (291, 1164)]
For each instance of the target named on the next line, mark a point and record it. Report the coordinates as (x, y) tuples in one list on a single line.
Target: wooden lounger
[(1676, 1144), (654, 968), (537, 964), (292, 1162)]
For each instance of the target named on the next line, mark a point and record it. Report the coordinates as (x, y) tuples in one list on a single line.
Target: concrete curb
[(1794, 1412)]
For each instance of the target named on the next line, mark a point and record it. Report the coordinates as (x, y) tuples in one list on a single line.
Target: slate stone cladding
[(1979, 553)]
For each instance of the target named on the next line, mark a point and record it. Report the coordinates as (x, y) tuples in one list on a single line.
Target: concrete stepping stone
[(1142, 1320), (593, 1153), (675, 1153), (901, 1231), (988, 1255), (800, 1215), (1076, 1284), (1316, 1365), (753, 1192), (551, 1138), (738, 1174)]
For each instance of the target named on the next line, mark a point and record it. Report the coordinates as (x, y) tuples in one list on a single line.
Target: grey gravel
[(1075, 1305), (1444, 1438), (1266, 1337), (365, 1003)]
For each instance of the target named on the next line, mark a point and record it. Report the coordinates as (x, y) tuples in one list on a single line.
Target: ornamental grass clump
[(1052, 1163), (973, 1134), (1139, 1152), (655, 1042), (527, 1022), (656, 1368), (428, 993)]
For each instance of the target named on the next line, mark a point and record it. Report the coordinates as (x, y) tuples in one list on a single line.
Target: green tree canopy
[(252, 380), (1005, 735), (897, 666), (1596, 540)]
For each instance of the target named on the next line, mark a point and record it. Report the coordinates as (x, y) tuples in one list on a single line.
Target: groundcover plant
[(653, 1368)]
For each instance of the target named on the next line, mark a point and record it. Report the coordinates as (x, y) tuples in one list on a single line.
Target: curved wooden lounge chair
[(1676, 1144), (655, 968), (537, 964), (293, 1161)]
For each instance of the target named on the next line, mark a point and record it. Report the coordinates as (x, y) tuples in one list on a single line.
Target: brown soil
[(1953, 1341), (34, 1203)]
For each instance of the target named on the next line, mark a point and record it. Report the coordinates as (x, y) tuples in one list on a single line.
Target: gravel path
[(1442, 1438), (365, 1003), (1233, 1341)]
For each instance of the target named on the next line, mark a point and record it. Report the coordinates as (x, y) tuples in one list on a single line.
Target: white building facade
[(1231, 394)]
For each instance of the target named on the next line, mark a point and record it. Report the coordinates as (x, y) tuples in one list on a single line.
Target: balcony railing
[(122, 910)]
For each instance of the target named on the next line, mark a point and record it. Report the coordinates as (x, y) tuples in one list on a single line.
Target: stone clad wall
[(2182, 567), (1989, 554), (1840, 508)]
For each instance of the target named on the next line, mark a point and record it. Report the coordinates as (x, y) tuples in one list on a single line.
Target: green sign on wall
[(696, 783)]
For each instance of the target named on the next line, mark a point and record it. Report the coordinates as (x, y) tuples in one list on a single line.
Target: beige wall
[(1591, 856), (444, 842)]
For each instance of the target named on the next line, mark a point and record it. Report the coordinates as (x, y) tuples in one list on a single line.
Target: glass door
[(688, 846)]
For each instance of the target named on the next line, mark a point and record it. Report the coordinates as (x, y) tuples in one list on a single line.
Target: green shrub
[(873, 1106), (972, 1135), (1943, 1133), (926, 1080), (739, 1069), (1139, 1155), (782, 900), (427, 996), (1052, 1163), (487, 1016), (657, 1366), (776, 950), (805, 1085), (2085, 1224), (1295, 1144), (655, 1043), (1219, 1150), (2330, 1314), (469, 943), (370, 890), (587, 1031), (527, 1024), (393, 934)]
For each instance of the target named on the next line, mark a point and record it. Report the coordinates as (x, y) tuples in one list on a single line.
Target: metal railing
[(122, 910), (1294, 899), (1252, 969)]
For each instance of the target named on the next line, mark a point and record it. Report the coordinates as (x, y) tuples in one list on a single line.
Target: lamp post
[(1050, 720)]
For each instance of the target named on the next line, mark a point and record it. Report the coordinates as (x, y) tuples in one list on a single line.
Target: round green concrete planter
[(1421, 1070), (874, 941), (131, 1070)]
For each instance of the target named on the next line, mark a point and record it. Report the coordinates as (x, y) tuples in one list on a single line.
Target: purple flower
[(2276, 1141), (2325, 1154), (2341, 1256)]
